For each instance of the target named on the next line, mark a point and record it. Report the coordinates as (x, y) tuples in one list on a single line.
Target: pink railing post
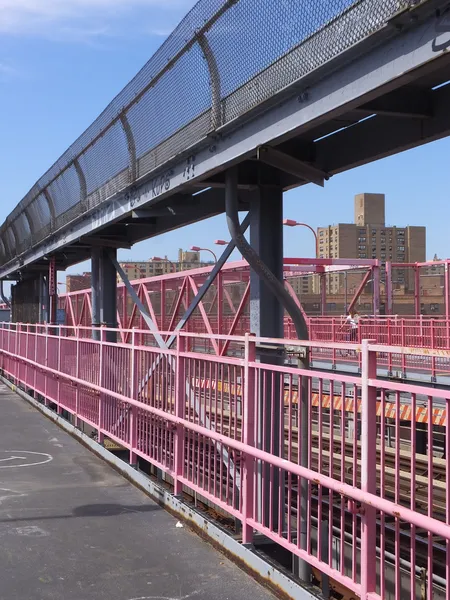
[(180, 406), (248, 468), (368, 469), (100, 434), (77, 389), (16, 352), (27, 349), (133, 408), (403, 343), (36, 338), (58, 385), (47, 375)]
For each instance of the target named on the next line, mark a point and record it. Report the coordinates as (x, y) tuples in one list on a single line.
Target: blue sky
[(62, 61)]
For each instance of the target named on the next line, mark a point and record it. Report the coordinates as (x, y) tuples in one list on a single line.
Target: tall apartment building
[(302, 284), (369, 237), (75, 283), (162, 265)]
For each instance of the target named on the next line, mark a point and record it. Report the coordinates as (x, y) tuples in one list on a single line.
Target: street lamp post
[(159, 259), (291, 223), (198, 249)]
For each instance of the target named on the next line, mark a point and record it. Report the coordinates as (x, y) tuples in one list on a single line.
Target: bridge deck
[(72, 528)]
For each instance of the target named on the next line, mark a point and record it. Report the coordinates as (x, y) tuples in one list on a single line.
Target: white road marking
[(45, 458), (12, 458), (13, 494), (167, 597), (30, 531)]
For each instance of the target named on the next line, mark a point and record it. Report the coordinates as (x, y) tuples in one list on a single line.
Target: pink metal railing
[(230, 430), (417, 332)]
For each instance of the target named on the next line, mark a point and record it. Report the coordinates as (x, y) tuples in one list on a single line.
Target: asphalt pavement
[(71, 528)]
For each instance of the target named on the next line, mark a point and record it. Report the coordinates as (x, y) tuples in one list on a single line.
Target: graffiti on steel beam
[(189, 169), (103, 214), (161, 183), (442, 26)]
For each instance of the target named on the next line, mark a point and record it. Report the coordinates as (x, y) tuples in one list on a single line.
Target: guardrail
[(354, 508), (415, 332)]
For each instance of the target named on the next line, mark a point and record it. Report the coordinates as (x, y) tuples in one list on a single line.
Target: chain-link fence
[(223, 59)]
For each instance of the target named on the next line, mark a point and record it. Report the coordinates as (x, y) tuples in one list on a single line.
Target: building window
[(434, 307), (321, 233), (362, 247)]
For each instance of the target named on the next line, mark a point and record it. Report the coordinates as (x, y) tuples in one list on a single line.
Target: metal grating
[(223, 59)]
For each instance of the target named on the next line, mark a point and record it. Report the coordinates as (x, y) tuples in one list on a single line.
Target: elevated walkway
[(72, 528)]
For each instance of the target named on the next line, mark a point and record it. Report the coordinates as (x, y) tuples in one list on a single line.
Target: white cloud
[(87, 17)]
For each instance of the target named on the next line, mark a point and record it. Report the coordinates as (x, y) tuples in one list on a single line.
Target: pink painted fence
[(417, 332), (373, 516)]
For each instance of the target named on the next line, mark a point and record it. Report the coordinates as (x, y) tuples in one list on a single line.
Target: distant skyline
[(61, 63)]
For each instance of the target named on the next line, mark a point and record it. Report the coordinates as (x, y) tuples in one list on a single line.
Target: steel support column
[(389, 289), (95, 292), (52, 291), (45, 300), (108, 292), (266, 320), (376, 290), (417, 290), (323, 293), (41, 314), (447, 296), (447, 290)]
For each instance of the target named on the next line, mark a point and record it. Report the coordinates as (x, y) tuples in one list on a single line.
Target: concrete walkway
[(71, 528)]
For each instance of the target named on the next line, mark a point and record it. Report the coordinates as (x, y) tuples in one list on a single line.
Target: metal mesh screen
[(224, 58)]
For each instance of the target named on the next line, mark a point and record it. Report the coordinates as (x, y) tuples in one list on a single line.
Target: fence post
[(180, 408), (16, 353), (368, 469), (58, 383), (77, 385), (133, 408), (35, 358), (100, 434), (47, 374), (248, 462), (26, 382)]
